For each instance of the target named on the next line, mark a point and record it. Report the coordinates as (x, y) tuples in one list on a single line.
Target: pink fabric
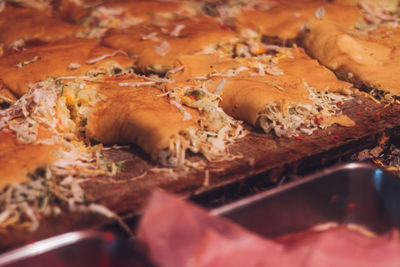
[(346, 248), (178, 233)]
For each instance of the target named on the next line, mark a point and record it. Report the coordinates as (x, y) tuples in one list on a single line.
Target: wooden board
[(262, 154)]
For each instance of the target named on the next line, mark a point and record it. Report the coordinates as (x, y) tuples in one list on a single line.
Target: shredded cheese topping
[(290, 120), (100, 58), (162, 48), (27, 62), (217, 132), (177, 30), (60, 108)]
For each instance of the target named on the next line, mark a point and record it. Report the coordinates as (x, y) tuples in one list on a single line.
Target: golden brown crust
[(203, 65), (243, 96), (18, 160), (311, 72), (6, 94), (244, 99), (246, 95), (124, 14), (72, 12), (28, 23), (347, 2), (297, 63), (196, 34), (54, 60), (136, 114), (286, 19), (150, 12), (371, 57)]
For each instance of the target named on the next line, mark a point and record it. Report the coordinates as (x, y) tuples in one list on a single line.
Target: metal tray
[(357, 193), (82, 248), (350, 193)]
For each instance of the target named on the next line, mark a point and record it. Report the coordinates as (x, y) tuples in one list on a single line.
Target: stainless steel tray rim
[(45, 245), (300, 181)]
